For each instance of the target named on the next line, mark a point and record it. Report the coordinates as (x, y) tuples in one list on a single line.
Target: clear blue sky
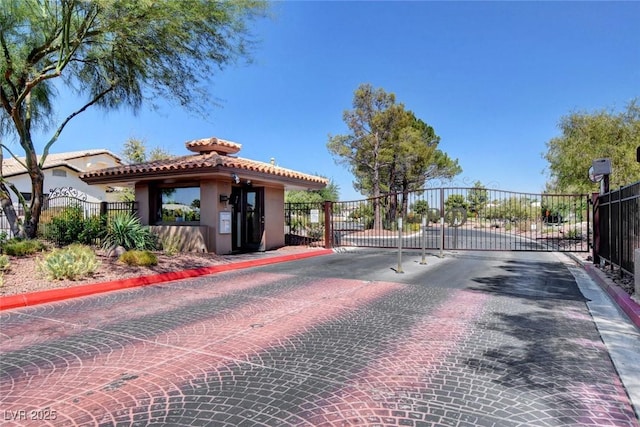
[(492, 78)]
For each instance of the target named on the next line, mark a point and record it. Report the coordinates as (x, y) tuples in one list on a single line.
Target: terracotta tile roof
[(218, 145), (11, 166), (210, 162)]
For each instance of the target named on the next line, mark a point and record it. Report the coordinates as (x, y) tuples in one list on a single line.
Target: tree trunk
[(33, 211), (10, 212), (393, 208), (377, 219), (7, 207), (32, 217), (405, 201)]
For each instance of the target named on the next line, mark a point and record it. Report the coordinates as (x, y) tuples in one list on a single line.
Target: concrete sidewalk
[(616, 317)]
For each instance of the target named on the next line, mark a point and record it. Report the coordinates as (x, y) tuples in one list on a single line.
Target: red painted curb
[(43, 297), (624, 301)]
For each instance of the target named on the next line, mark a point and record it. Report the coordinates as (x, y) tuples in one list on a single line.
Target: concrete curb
[(43, 297), (621, 298)]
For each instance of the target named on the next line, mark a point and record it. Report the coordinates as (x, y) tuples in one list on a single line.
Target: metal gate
[(464, 219)]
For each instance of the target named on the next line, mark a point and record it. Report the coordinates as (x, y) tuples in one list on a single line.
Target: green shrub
[(315, 232), (125, 230), (19, 247), (573, 234), (139, 258), (69, 226), (73, 262), (65, 226), (171, 245), (4, 263), (93, 229)]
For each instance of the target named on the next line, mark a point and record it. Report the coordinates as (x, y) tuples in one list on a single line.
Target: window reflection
[(179, 205)]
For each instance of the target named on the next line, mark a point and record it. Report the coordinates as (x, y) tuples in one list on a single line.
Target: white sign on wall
[(225, 222), (315, 216)]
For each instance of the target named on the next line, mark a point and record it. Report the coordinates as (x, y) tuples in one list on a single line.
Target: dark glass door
[(248, 218)]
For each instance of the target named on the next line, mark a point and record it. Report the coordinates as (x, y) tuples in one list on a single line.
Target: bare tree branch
[(54, 138), (12, 155)]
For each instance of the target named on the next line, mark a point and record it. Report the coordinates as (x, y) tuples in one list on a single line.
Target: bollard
[(399, 270), (424, 241), (441, 237)]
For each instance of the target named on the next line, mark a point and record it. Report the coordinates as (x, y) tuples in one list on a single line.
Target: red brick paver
[(292, 347)]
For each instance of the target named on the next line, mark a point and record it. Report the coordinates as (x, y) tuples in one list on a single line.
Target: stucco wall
[(206, 235), (274, 217), (142, 197), (210, 208), (191, 238)]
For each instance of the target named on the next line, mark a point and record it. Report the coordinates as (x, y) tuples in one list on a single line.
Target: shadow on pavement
[(531, 280)]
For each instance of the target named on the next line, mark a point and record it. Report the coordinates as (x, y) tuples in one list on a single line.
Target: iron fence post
[(399, 270), (328, 234), (442, 223), (424, 240), (591, 222), (619, 232), (610, 229)]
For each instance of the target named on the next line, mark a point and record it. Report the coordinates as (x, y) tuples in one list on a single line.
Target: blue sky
[(492, 78)]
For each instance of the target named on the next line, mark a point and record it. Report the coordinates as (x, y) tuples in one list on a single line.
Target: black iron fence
[(66, 217), (448, 219), (64, 214), (5, 228), (304, 223), (617, 217)]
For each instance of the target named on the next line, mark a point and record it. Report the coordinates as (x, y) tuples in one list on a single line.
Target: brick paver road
[(474, 339)]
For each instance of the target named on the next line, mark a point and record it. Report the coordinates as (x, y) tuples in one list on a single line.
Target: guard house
[(213, 200)]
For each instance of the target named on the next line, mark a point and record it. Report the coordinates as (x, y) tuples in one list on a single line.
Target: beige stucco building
[(213, 200), (62, 170)]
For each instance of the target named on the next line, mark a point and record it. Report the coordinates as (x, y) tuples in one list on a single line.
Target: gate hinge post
[(328, 235)]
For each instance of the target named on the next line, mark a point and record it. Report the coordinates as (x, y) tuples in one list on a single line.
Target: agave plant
[(126, 230)]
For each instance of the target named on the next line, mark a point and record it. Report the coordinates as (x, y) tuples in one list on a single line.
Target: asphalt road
[(473, 339)]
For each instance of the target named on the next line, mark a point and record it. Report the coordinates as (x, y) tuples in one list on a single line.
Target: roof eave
[(217, 171), (55, 165)]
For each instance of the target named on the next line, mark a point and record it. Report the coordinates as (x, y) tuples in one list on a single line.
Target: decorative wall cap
[(208, 145)]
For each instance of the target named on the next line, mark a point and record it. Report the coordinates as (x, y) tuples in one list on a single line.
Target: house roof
[(218, 145), (11, 166), (207, 163)]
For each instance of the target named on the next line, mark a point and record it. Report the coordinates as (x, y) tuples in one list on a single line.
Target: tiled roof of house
[(11, 166), (206, 145), (198, 163)]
